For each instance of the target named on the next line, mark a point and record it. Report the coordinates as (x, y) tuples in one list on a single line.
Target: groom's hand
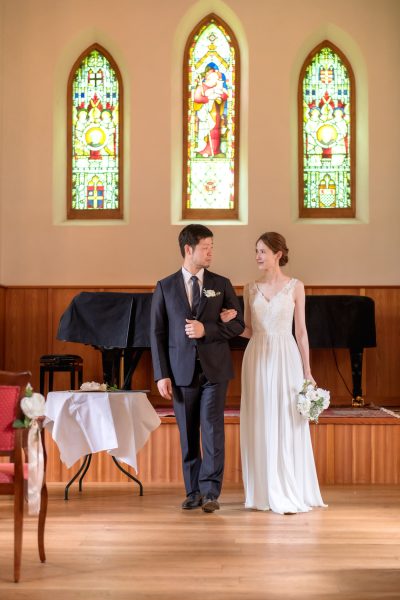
[(194, 329), (165, 388)]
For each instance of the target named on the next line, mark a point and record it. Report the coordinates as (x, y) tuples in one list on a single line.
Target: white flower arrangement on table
[(312, 400), (210, 293), (93, 386)]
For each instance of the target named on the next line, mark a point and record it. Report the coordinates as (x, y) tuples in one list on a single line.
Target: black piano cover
[(340, 321), (122, 320), (107, 320), (335, 322)]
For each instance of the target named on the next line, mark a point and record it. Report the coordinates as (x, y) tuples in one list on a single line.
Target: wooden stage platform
[(351, 446)]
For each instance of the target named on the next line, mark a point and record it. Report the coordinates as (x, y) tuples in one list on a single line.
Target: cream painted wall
[(41, 39), (1, 128)]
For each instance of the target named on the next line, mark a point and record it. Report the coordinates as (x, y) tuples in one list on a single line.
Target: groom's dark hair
[(191, 235)]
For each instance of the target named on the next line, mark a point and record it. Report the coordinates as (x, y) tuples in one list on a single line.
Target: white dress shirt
[(189, 283)]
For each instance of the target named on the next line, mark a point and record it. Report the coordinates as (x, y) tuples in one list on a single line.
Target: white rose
[(307, 405), (33, 406), (304, 405), (325, 397)]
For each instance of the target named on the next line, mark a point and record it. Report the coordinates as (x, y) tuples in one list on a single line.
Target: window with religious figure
[(326, 107), (94, 137), (211, 122)]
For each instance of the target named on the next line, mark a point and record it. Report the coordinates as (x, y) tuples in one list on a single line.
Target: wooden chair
[(14, 474)]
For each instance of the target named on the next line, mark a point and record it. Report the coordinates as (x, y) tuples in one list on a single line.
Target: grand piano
[(118, 325)]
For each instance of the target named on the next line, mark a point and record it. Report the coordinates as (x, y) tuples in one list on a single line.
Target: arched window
[(94, 138), (326, 109), (211, 75)]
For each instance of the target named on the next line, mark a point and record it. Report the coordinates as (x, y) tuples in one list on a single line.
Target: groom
[(192, 362)]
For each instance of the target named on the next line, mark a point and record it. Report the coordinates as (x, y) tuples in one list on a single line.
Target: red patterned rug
[(332, 411), (360, 413)]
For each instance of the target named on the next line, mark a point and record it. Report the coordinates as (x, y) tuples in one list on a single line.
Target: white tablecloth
[(87, 422)]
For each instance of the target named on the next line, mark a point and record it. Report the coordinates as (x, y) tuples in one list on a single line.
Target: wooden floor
[(109, 543)]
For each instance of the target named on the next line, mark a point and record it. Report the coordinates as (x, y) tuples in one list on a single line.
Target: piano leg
[(356, 358), (131, 358), (111, 358)]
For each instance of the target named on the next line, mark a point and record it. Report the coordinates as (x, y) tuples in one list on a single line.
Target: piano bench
[(54, 363)]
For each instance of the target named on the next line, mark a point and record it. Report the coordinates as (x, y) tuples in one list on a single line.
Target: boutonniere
[(211, 293)]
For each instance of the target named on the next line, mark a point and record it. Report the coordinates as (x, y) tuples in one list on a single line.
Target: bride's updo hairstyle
[(276, 242)]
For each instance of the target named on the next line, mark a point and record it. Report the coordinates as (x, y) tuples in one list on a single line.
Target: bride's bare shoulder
[(249, 287), (297, 287), (297, 282)]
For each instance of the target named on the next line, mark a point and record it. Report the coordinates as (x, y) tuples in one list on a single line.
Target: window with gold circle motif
[(94, 137), (326, 135)]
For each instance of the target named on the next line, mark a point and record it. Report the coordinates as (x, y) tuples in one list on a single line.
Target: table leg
[(84, 468), (86, 464), (84, 472), (129, 475)]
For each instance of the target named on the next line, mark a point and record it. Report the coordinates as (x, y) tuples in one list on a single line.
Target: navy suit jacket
[(173, 353)]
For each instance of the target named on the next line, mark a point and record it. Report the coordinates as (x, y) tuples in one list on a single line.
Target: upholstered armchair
[(14, 472)]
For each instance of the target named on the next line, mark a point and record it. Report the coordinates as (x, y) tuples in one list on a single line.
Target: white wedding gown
[(277, 457)]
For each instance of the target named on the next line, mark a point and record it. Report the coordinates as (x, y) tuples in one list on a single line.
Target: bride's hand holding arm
[(301, 330), (228, 314)]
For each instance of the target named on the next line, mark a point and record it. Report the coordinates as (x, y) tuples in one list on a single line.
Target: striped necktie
[(195, 294)]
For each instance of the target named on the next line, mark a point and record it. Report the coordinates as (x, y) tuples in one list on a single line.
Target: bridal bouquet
[(312, 400)]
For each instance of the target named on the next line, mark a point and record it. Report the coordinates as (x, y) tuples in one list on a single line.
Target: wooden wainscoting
[(30, 316), (345, 453), (346, 450)]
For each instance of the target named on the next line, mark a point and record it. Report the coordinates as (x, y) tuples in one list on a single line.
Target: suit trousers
[(199, 410)]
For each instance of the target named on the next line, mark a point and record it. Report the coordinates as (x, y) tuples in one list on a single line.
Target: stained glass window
[(327, 134), (211, 122), (94, 137)]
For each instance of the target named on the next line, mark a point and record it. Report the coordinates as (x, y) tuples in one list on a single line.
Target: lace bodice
[(274, 316)]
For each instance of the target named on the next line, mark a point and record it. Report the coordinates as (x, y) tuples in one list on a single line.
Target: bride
[(277, 458)]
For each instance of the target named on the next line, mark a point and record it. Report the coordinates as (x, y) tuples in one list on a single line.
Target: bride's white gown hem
[(277, 457)]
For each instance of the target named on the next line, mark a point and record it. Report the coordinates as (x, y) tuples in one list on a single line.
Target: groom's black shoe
[(193, 500), (210, 504)]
